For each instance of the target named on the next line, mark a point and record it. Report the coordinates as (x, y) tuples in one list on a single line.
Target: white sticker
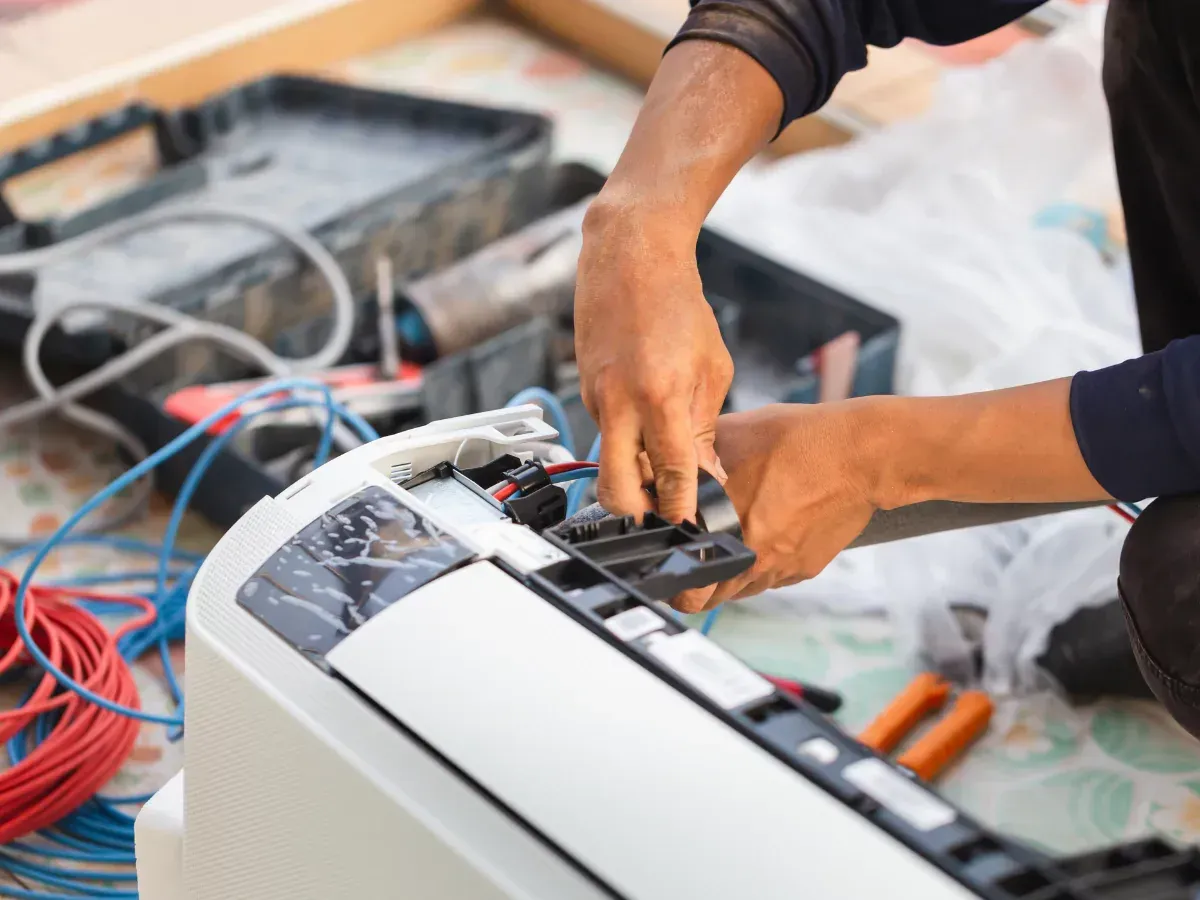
[(723, 678), (891, 790), (517, 545), (634, 623)]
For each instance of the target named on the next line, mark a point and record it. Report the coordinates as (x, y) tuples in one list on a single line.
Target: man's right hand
[(654, 371), (652, 366)]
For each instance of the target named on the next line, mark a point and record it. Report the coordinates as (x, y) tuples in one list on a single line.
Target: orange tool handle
[(954, 733), (925, 695)]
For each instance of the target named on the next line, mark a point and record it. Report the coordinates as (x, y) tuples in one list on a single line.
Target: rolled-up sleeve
[(808, 45), (1138, 423)]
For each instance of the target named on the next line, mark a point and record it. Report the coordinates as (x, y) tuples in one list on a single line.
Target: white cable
[(179, 328), (549, 453)]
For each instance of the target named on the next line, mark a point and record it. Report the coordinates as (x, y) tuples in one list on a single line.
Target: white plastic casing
[(494, 748), (158, 834)]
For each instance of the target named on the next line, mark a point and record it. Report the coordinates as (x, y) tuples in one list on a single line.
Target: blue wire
[(99, 832), (105, 578), (17, 893), (114, 542), (710, 620), (554, 408), (49, 875), (73, 856), (575, 493), (573, 475), (100, 824), (148, 465)]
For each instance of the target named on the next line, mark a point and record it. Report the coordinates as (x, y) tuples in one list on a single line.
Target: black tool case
[(369, 173)]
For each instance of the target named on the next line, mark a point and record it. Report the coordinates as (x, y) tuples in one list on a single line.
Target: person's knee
[(1160, 590)]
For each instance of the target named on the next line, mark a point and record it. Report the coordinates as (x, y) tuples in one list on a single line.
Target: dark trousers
[(1160, 594)]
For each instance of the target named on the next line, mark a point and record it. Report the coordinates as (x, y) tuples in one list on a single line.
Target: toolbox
[(369, 173)]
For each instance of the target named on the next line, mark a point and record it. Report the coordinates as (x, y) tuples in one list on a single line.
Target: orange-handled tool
[(951, 735), (925, 695)]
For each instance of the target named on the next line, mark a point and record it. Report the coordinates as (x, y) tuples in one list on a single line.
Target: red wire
[(553, 469), (87, 745), (1123, 513)]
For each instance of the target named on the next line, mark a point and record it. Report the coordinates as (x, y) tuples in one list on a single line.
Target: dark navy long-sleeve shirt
[(1137, 423)]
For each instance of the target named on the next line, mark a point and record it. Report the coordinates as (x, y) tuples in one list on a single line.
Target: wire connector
[(540, 509), (529, 478)]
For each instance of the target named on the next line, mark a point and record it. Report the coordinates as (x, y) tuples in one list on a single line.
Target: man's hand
[(805, 480), (801, 489), (654, 369)]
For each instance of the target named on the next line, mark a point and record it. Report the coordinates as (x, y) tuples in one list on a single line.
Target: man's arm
[(653, 370), (808, 45), (1129, 431), (1009, 446)]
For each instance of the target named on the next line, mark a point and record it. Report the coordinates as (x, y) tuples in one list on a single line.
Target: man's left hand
[(799, 479)]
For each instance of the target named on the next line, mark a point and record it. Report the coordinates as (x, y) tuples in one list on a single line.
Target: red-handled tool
[(359, 387), (823, 700)]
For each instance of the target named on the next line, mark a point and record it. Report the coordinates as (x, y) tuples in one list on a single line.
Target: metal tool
[(528, 274)]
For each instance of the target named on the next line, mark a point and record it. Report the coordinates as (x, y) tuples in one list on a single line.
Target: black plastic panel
[(349, 565), (660, 559)]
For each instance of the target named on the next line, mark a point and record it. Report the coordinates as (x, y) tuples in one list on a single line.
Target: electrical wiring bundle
[(66, 749), (76, 724)]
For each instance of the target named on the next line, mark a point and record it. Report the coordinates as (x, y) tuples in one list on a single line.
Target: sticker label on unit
[(898, 795), (720, 676), (517, 545), (634, 623)]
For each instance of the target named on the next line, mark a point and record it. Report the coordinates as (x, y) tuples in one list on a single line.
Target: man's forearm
[(709, 110), (1011, 446)]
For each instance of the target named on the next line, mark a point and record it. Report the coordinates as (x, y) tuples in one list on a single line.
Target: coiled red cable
[(87, 745)]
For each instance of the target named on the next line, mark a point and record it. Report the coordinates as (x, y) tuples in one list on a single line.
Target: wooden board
[(171, 54)]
